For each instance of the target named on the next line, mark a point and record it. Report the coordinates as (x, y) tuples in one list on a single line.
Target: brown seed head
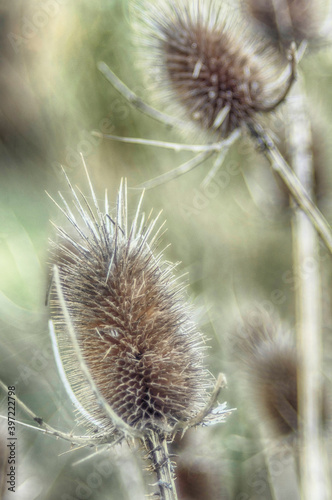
[(269, 359), (267, 356), (131, 317), (204, 60)]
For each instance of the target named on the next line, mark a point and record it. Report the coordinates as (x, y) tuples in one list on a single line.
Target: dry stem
[(45, 428), (268, 147), (156, 444), (308, 298), (296, 188)]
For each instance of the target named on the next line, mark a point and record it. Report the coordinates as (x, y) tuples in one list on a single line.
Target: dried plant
[(224, 81), (134, 326), (267, 357), (205, 60), (218, 81), (127, 350)]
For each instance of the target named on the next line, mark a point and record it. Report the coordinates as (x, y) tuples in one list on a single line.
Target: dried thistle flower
[(131, 319), (267, 355), (127, 350), (205, 61), (288, 20)]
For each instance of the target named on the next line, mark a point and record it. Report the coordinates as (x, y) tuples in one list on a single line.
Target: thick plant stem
[(308, 304), (156, 445)]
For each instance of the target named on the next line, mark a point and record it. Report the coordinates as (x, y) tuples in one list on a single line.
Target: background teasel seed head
[(266, 355), (131, 318), (204, 59), (289, 20)]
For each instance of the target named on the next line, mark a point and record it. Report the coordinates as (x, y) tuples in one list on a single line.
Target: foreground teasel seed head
[(131, 318), (289, 20), (205, 60), (266, 355)]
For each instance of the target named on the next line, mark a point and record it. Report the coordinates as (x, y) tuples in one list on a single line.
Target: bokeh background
[(233, 238)]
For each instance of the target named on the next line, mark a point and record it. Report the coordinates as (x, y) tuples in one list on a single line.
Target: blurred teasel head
[(208, 64), (286, 21), (266, 354), (130, 316)]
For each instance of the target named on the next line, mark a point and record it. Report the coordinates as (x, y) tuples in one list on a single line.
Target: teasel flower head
[(131, 319), (289, 20), (207, 65), (266, 355)]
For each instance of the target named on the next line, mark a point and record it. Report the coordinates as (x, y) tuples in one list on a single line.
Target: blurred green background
[(233, 238)]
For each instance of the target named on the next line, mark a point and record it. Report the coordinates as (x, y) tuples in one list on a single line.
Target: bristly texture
[(131, 317), (288, 20), (267, 356), (207, 62), (272, 363)]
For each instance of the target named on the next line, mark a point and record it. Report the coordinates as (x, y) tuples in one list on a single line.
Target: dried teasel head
[(208, 65), (289, 20), (266, 355), (130, 316)]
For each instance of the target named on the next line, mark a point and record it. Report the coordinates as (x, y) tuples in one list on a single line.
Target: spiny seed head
[(267, 355), (131, 318), (205, 61), (288, 20)]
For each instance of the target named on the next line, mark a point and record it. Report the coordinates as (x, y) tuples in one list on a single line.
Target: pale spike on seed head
[(207, 63), (131, 318)]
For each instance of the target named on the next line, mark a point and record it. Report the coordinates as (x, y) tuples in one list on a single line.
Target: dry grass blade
[(48, 429), (136, 101)]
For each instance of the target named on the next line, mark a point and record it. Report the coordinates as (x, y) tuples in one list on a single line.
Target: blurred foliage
[(233, 238)]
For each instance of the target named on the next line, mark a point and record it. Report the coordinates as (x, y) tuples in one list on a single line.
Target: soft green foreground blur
[(233, 239)]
